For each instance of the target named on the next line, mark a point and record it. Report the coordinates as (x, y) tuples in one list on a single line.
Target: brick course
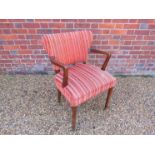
[(131, 42)]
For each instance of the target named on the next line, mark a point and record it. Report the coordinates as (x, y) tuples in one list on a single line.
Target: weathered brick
[(94, 20), (120, 32), (19, 31), (131, 26), (119, 26), (131, 42), (56, 25), (151, 26), (6, 25), (44, 31), (120, 21), (106, 25), (25, 52), (31, 25), (82, 25), (142, 32), (143, 26)]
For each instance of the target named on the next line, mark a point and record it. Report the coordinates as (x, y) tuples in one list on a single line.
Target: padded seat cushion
[(84, 82)]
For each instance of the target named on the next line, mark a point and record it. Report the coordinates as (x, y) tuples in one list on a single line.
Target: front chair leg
[(108, 98), (59, 96), (74, 109)]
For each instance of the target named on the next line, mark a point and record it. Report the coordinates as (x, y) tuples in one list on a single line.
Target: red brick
[(127, 43), (131, 32), (56, 25), (11, 47), (131, 26), (152, 32), (118, 32), (3, 20), (19, 42), (140, 37), (136, 47), (43, 20), (126, 47), (6, 25), (97, 31), (69, 25), (151, 26), (19, 31), (114, 42), (31, 31), (44, 25), (9, 37), (28, 61), (142, 32), (120, 21), (31, 25), (133, 20), (5, 61), (107, 20), (119, 26), (56, 30), (139, 42), (128, 37), (94, 20), (25, 52), (16, 20), (123, 56), (146, 20), (82, 25), (148, 47), (81, 20), (106, 25), (35, 46), (149, 37), (94, 25), (69, 20)]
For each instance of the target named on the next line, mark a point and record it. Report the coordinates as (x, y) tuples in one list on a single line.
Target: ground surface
[(28, 105)]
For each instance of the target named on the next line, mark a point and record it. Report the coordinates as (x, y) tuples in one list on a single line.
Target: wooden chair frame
[(65, 79)]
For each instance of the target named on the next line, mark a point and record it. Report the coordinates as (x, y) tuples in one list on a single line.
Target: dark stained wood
[(108, 98), (108, 55), (59, 96), (65, 70), (74, 109)]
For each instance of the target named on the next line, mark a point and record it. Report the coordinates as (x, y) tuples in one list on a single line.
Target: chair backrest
[(69, 47)]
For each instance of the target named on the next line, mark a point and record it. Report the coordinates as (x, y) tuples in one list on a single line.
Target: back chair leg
[(59, 96), (108, 98), (74, 109)]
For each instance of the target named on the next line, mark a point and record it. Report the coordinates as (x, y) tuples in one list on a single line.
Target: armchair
[(75, 79)]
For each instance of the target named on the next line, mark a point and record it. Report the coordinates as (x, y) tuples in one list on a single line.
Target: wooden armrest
[(108, 55), (65, 70)]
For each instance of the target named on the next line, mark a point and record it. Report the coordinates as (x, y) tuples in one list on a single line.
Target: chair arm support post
[(108, 56), (65, 70)]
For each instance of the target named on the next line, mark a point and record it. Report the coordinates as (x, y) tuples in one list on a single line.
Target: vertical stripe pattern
[(68, 48), (85, 81)]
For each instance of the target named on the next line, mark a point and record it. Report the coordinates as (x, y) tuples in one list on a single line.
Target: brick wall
[(131, 42)]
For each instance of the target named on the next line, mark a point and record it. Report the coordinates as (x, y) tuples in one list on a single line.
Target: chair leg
[(74, 109), (59, 96), (108, 98)]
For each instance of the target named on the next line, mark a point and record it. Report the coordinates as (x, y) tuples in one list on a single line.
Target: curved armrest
[(65, 70), (108, 55)]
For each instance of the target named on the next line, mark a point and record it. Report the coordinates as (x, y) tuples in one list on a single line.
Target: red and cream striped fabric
[(68, 48), (85, 81)]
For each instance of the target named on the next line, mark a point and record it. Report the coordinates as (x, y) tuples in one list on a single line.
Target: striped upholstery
[(85, 81), (68, 48)]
